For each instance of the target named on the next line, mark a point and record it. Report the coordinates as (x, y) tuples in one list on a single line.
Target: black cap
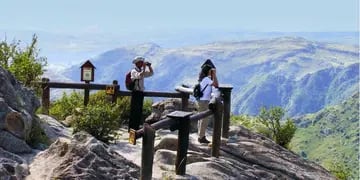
[(208, 62)]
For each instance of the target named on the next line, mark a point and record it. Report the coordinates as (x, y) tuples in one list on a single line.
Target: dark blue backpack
[(198, 92)]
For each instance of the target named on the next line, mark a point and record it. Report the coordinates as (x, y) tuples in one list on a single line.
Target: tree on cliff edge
[(24, 63)]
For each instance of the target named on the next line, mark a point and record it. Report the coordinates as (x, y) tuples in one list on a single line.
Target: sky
[(85, 16), (70, 31)]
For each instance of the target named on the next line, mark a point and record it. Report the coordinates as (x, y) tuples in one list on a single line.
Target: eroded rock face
[(246, 155), (12, 166), (53, 128), (83, 157), (13, 144), (17, 106)]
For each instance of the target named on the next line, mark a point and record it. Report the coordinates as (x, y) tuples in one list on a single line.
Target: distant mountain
[(331, 136), (300, 75), (69, 48)]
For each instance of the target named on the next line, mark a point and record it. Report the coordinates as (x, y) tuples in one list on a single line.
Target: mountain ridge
[(248, 66)]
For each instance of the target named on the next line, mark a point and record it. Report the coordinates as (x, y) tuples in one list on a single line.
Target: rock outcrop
[(17, 106), (245, 155), (53, 128), (12, 166), (83, 157), (162, 108)]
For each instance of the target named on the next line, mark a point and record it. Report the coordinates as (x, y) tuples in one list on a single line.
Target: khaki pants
[(203, 123)]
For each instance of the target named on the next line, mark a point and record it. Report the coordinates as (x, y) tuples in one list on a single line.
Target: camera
[(148, 63)]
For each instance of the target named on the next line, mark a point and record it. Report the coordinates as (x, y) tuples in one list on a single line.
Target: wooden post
[(147, 153), (86, 93), (116, 91), (184, 101), (45, 99), (183, 139), (226, 93), (216, 139)]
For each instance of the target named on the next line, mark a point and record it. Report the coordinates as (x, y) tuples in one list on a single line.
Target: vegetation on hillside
[(270, 122), (100, 117), (331, 138), (23, 62)]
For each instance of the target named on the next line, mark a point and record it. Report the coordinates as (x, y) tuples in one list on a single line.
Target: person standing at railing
[(208, 82), (137, 94)]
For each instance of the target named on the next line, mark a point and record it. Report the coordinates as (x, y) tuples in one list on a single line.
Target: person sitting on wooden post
[(208, 80), (137, 94)]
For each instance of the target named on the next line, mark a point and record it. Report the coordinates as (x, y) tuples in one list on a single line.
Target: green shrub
[(147, 108), (66, 105), (124, 108), (339, 169), (243, 120), (261, 129), (286, 133), (37, 135), (101, 120), (23, 62), (281, 133)]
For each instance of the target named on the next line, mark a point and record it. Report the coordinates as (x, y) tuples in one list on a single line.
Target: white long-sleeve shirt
[(139, 77)]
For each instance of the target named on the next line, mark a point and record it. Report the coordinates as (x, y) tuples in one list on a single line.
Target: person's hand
[(213, 71)]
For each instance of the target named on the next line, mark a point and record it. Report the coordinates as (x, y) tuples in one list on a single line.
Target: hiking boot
[(203, 140)]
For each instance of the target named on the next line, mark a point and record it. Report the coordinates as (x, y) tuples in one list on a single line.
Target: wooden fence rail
[(46, 84), (178, 120)]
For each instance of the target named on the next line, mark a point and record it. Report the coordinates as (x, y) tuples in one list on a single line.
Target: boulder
[(162, 108), (17, 106), (53, 128), (246, 155), (11, 143), (12, 166), (83, 157)]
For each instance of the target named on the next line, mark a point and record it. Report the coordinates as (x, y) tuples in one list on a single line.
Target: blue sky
[(83, 16), (74, 30)]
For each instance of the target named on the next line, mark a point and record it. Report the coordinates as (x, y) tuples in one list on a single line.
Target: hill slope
[(331, 135), (301, 76)]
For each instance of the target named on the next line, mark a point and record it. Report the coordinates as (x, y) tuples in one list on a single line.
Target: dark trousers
[(137, 100)]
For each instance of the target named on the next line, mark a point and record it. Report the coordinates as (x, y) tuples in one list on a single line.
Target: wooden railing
[(46, 84), (177, 120), (219, 107)]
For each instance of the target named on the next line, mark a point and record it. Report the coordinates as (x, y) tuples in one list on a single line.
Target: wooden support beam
[(216, 138), (184, 101), (226, 93), (62, 85), (116, 91), (183, 139), (147, 153), (167, 122), (86, 93), (45, 97)]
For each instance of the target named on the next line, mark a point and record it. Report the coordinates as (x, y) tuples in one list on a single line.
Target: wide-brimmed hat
[(138, 59)]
